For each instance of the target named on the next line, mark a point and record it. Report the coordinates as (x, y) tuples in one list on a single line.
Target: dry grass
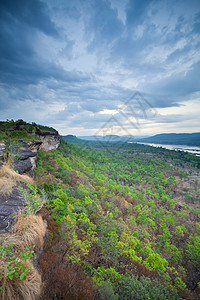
[(29, 289), (9, 178), (6, 185), (27, 232)]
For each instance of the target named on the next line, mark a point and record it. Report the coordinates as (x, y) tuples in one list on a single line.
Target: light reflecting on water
[(191, 149)]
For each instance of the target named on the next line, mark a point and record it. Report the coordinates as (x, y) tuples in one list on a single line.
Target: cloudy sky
[(78, 65)]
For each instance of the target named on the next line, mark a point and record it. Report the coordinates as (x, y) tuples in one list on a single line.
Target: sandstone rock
[(2, 148), (9, 206), (23, 166), (50, 142), (34, 146), (26, 154)]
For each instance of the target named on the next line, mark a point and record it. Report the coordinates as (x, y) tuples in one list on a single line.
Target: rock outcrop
[(26, 158), (9, 207), (14, 228), (50, 142), (2, 148), (26, 152), (24, 155)]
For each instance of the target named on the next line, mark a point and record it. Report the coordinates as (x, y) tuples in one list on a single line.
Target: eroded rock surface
[(9, 207), (27, 156), (50, 142), (2, 148), (25, 159)]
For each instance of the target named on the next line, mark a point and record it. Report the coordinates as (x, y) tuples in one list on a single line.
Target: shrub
[(107, 291), (67, 282), (32, 199), (179, 283), (144, 289), (193, 249), (154, 261)]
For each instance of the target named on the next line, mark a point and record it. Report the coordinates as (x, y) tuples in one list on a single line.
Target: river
[(191, 149)]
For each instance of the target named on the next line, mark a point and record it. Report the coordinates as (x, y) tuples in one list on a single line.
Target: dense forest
[(127, 222), (123, 221)]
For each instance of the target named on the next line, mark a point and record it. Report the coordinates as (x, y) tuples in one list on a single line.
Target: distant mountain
[(98, 138), (86, 138), (72, 139), (112, 138), (190, 139)]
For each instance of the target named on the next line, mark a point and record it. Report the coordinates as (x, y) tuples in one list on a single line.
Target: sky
[(101, 66)]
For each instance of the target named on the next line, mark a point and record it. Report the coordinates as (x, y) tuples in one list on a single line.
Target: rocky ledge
[(26, 152), (16, 145), (25, 158)]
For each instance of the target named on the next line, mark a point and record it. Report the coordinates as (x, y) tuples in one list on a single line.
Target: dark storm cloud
[(73, 61), (104, 23), (30, 13), (157, 40), (20, 23), (176, 88)]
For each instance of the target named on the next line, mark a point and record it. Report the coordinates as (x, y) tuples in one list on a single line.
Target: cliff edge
[(22, 232)]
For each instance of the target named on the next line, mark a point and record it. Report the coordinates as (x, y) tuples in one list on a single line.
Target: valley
[(123, 220)]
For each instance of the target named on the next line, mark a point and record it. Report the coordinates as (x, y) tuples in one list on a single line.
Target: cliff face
[(16, 229), (27, 157), (24, 162), (50, 142), (43, 137)]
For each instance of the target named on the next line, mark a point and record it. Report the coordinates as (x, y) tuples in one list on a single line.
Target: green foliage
[(101, 274), (13, 263), (11, 150), (175, 253), (193, 249), (145, 289), (33, 200), (153, 261), (179, 283), (171, 180), (18, 134), (180, 230), (119, 211), (20, 129), (107, 291), (127, 246)]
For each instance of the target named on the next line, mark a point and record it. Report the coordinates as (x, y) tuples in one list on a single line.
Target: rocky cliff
[(24, 157), (30, 139), (19, 145)]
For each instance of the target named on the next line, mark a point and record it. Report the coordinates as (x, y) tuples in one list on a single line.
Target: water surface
[(190, 149)]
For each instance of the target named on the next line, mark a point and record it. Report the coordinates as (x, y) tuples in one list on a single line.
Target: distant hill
[(92, 140), (112, 138), (73, 139), (190, 139)]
